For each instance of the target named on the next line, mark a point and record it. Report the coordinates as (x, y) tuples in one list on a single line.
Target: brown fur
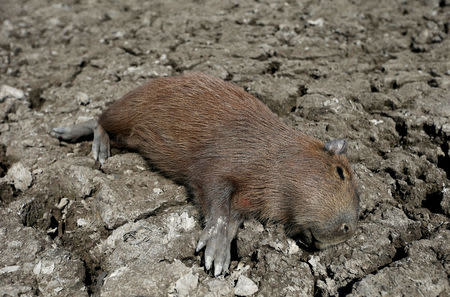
[(205, 132)]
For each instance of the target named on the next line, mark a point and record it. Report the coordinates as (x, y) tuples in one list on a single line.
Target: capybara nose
[(347, 229)]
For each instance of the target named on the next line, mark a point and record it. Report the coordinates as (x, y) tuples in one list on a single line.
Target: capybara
[(235, 155)]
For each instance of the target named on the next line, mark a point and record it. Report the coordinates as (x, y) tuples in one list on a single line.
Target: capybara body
[(238, 158)]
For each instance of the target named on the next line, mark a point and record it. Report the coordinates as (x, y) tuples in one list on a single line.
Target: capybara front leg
[(235, 220), (220, 229)]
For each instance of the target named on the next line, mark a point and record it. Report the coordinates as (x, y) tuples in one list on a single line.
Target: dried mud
[(374, 72)]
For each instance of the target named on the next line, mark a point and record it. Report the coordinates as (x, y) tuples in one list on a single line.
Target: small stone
[(318, 22), (157, 191), (317, 267), (220, 285), (82, 98), (7, 269), (376, 122), (81, 222), (37, 268), (28, 143), (37, 171), (245, 287), (8, 91), (293, 247), (62, 203), (186, 284), (48, 268), (20, 176)]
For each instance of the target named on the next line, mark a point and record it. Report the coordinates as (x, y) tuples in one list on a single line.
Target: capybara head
[(327, 209)]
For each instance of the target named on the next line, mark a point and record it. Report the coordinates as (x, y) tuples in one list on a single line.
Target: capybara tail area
[(115, 122), (120, 118)]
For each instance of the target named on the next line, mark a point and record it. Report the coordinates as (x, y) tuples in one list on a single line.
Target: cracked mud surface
[(374, 72)]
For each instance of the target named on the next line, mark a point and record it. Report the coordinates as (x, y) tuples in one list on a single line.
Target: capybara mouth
[(323, 244), (320, 245), (312, 238), (310, 242)]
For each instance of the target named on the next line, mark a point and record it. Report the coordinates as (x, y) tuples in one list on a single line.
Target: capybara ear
[(337, 146)]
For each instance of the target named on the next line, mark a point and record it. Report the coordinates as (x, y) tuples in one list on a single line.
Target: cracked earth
[(374, 72)]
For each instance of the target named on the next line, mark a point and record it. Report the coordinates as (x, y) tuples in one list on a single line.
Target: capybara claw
[(214, 237)]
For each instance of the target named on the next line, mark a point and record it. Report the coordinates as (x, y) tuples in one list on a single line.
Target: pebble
[(62, 203), (8, 91), (81, 222), (8, 269), (317, 267), (220, 285), (293, 247), (82, 98), (245, 286), (157, 191), (318, 22), (20, 176), (186, 284), (37, 268), (376, 122)]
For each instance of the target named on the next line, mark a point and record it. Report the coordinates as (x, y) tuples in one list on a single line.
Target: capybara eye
[(340, 172)]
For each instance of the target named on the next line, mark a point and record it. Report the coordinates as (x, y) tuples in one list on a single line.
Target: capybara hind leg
[(101, 144), (75, 132)]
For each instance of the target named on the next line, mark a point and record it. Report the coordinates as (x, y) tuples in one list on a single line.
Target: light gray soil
[(374, 72)]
